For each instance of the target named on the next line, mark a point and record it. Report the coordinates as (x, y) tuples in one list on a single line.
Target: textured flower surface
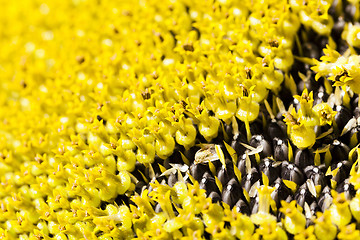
[(179, 119)]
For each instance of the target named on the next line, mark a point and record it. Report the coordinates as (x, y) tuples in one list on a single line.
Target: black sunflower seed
[(314, 208), (304, 158), (268, 167), (237, 146), (347, 188), (254, 205), (215, 197), (259, 140), (276, 129), (226, 173), (316, 174), (250, 178), (198, 170), (139, 187), (242, 163), (292, 173), (343, 171), (281, 149), (208, 183), (172, 179), (242, 207), (303, 195), (232, 192), (356, 112), (342, 117), (320, 96), (339, 151), (281, 192), (325, 198)]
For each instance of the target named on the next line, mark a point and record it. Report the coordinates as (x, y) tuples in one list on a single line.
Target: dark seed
[(226, 173), (280, 149), (356, 112), (242, 163), (316, 175), (323, 41), (259, 140), (339, 151), (254, 205), (139, 187), (276, 129), (172, 179), (229, 130), (217, 164), (242, 207), (304, 158), (325, 140), (215, 197), (266, 166), (281, 192), (198, 170), (237, 146), (303, 195), (292, 173), (355, 102), (289, 199), (208, 183), (354, 137), (332, 9), (313, 209), (250, 178), (232, 192), (325, 198), (347, 188), (343, 172), (342, 117), (320, 96)]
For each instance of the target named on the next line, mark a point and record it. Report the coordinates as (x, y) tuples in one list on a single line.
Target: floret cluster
[(180, 119)]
